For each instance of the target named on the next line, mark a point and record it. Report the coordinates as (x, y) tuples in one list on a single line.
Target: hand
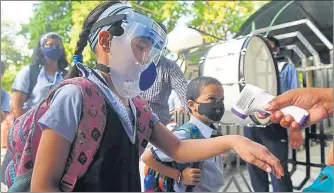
[(296, 139), (191, 176), (318, 101), (257, 155)]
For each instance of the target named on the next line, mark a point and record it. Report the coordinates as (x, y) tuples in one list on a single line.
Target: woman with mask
[(127, 45), (34, 82)]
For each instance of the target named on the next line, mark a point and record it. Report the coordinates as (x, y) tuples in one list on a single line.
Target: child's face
[(213, 94)]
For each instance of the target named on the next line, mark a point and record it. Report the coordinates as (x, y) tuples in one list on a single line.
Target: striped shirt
[(169, 77)]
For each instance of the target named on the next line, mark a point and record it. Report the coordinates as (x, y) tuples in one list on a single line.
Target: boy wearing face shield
[(127, 46)]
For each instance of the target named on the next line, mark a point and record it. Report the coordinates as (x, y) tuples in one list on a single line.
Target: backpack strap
[(194, 133), (144, 125), (34, 70), (89, 133)]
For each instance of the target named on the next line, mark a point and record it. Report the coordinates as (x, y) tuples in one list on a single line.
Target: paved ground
[(297, 177)]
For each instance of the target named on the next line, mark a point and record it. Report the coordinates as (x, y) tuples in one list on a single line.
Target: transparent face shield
[(145, 36), (132, 53)]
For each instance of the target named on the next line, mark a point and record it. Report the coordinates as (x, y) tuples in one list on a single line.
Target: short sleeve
[(22, 81), (182, 135), (5, 98), (64, 113), (155, 118)]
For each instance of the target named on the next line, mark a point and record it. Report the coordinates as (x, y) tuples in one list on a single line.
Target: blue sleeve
[(22, 81), (182, 135), (293, 78), (64, 113), (5, 98), (155, 118)]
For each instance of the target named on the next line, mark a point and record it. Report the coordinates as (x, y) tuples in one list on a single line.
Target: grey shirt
[(212, 172)]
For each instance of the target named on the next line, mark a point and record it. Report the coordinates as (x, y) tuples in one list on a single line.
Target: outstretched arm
[(201, 149)]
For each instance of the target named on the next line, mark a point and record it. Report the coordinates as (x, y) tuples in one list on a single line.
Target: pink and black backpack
[(24, 136)]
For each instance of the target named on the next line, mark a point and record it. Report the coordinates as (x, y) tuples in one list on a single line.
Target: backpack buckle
[(67, 183)]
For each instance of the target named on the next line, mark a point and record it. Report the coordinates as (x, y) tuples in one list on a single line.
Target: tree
[(172, 10), (221, 17), (167, 12), (12, 56), (49, 16)]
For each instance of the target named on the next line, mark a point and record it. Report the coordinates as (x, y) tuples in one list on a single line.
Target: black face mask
[(212, 111)]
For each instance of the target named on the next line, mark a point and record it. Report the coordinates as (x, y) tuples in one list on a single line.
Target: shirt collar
[(205, 130)]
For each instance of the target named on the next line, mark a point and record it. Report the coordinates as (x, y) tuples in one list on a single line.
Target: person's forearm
[(3, 115), (182, 151), (160, 167), (18, 111), (204, 148), (328, 100), (330, 158)]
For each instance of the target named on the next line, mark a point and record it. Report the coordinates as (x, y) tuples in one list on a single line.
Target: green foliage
[(49, 16), (66, 18), (220, 17), (167, 12), (80, 10), (10, 55)]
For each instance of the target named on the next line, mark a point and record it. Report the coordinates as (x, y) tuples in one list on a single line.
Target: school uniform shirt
[(64, 113), (45, 83), (5, 98), (212, 178), (288, 77)]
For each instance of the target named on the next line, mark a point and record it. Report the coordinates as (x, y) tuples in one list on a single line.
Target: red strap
[(89, 133)]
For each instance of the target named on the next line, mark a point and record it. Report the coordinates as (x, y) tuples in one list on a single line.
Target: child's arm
[(330, 158), (189, 176), (201, 149), (150, 161), (59, 124)]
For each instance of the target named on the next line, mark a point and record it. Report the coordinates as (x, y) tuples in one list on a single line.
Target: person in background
[(5, 117), (175, 105), (5, 110), (5, 98), (34, 82), (274, 137), (169, 77)]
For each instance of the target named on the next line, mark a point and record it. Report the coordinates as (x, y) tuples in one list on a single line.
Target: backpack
[(34, 71), (156, 182), (323, 183), (24, 137)]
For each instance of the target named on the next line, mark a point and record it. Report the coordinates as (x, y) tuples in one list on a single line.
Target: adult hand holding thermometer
[(253, 99)]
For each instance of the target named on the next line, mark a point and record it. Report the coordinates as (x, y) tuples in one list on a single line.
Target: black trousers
[(275, 138)]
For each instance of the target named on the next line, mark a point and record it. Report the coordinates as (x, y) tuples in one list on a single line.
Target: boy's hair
[(2, 67), (195, 85)]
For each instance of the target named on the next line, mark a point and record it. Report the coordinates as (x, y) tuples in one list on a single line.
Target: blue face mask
[(53, 53)]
